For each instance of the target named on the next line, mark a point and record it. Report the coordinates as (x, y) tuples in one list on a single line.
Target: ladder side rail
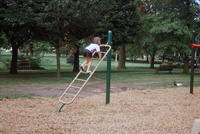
[(105, 53), (89, 76), (103, 57), (102, 45), (105, 45), (68, 87)]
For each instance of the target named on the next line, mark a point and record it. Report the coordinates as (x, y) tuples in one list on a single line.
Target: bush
[(29, 63), (70, 57), (5, 65)]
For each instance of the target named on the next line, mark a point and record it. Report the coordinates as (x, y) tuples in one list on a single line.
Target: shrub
[(29, 63), (70, 57)]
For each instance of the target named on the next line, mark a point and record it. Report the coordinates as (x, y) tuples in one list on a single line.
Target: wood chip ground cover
[(163, 111)]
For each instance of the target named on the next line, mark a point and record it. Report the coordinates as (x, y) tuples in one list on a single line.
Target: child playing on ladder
[(89, 51)]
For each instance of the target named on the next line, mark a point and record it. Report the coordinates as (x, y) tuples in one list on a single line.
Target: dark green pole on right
[(108, 69), (192, 64)]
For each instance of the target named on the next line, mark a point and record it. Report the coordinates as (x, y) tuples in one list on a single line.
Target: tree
[(67, 22), (4, 41), (17, 18), (53, 27), (36, 48), (165, 27), (82, 24), (123, 21)]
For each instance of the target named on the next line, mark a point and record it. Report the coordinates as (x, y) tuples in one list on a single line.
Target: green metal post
[(192, 64), (60, 107), (108, 69)]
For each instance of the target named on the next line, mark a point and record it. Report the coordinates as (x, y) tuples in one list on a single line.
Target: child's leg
[(86, 53), (84, 64), (89, 64)]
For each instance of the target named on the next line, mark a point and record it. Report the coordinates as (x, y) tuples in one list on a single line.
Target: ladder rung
[(95, 58), (85, 72), (81, 79), (75, 87), (103, 52)]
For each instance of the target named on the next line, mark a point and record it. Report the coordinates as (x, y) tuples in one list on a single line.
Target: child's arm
[(99, 54)]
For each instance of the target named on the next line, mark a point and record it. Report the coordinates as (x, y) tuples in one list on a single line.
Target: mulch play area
[(162, 111)]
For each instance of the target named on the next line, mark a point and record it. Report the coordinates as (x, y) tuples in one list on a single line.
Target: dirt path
[(45, 90)]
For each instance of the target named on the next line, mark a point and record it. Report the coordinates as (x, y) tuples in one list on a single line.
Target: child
[(89, 51)]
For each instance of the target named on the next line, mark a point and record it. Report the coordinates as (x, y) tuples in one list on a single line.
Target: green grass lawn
[(4, 60), (49, 65), (145, 80), (15, 96), (135, 73)]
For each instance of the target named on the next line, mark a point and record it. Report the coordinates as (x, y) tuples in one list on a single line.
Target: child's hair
[(96, 40)]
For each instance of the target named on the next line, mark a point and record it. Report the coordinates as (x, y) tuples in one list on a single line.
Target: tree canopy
[(17, 19), (150, 27), (167, 26)]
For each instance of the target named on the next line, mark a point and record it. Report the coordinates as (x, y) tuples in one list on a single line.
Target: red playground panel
[(195, 46)]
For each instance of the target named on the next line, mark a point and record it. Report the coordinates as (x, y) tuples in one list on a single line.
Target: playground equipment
[(84, 81), (192, 62)]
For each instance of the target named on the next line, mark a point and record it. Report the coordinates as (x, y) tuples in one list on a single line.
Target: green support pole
[(60, 107), (108, 69), (192, 64)]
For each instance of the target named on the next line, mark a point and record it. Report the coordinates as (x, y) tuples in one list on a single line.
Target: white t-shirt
[(93, 47)]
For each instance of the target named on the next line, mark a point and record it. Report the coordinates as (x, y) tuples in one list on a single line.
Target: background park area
[(142, 100), (41, 50), (43, 81)]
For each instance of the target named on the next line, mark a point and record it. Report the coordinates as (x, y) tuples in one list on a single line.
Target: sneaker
[(82, 69)]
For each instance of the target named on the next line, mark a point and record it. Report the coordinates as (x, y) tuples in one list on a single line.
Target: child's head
[(96, 40)]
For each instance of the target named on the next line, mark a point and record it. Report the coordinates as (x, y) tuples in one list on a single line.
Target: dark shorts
[(87, 53)]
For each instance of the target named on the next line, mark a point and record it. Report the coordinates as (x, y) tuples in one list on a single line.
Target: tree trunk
[(76, 59), (186, 58), (122, 57), (31, 49), (116, 57), (188, 14), (147, 60), (13, 68), (26, 53), (58, 59), (152, 60), (134, 58), (163, 58), (186, 65)]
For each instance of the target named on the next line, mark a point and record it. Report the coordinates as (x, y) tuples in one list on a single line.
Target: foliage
[(29, 62), (133, 50), (83, 20), (14, 96), (17, 20), (122, 19), (38, 47), (197, 39), (167, 26), (4, 41), (69, 20), (70, 57), (19, 17)]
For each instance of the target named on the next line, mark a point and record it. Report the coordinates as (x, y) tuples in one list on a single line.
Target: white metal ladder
[(108, 47)]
